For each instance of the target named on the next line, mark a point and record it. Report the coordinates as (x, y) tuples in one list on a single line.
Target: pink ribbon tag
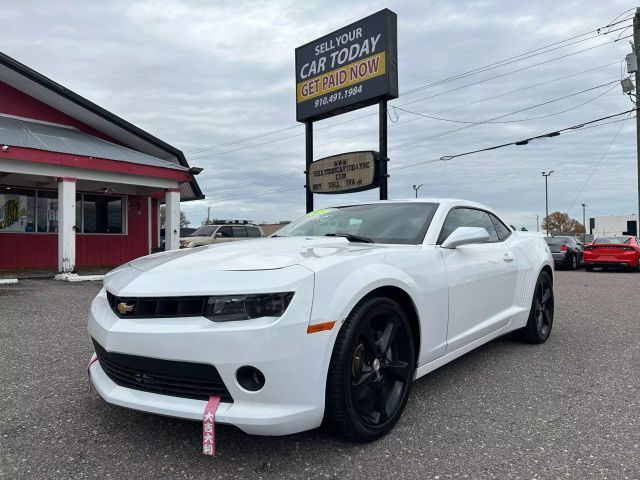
[(94, 358), (209, 426)]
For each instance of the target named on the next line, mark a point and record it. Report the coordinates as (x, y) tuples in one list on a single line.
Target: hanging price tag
[(208, 426)]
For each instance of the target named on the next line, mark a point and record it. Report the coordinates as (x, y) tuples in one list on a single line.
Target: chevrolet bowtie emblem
[(124, 308)]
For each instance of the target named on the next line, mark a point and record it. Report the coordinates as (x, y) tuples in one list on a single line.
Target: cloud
[(199, 73)]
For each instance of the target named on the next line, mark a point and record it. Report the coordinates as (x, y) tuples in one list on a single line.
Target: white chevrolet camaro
[(328, 321)]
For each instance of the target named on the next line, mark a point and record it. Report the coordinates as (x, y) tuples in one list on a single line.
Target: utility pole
[(208, 215), (416, 188), (537, 222), (636, 45), (546, 197), (584, 222)]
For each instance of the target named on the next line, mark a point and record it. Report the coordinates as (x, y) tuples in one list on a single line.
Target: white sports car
[(328, 321)]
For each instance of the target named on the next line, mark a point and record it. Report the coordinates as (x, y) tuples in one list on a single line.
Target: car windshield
[(618, 240), (403, 223), (205, 231), (556, 240)]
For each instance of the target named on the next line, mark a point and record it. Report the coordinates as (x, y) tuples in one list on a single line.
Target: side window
[(239, 232), (467, 217), (225, 232), (501, 229), (253, 232)]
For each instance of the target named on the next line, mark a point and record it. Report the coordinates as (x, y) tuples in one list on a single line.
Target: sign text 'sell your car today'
[(350, 68)]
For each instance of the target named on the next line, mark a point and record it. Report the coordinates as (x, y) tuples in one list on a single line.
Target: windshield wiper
[(350, 237)]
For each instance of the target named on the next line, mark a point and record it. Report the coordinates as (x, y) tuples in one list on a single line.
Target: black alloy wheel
[(573, 261), (540, 320), (371, 370)]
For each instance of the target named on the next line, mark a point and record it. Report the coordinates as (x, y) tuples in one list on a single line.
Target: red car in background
[(618, 251)]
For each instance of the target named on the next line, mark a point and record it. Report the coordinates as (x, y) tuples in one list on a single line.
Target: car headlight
[(245, 307)]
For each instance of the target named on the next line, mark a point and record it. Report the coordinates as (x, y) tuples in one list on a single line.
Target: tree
[(184, 221), (562, 222)]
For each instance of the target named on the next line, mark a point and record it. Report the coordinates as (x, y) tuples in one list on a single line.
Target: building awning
[(49, 92), (16, 132)]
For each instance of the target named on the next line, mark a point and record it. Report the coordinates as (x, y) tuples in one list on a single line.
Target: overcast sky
[(200, 73)]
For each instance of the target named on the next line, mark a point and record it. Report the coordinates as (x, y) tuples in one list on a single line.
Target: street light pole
[(546, 197), (584, 221), (416, 188)]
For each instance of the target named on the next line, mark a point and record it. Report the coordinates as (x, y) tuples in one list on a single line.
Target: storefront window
[(23, 210), (102, 214), (47, 214), (17, 210)]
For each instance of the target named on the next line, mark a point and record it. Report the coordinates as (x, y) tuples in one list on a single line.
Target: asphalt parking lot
[(567, 409)]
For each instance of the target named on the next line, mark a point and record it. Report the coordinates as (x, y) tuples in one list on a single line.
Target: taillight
[(563, 248)]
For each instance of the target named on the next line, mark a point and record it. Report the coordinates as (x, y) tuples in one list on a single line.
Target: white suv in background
[(208, 234)]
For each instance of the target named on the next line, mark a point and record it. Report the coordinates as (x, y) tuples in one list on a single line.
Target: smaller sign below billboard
[(344, 173)]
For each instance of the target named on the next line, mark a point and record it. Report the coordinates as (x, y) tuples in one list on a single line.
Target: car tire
[(540, 320), (370, 371), (573, 262)]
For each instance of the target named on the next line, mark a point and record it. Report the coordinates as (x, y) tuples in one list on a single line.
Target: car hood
[(259, 254)]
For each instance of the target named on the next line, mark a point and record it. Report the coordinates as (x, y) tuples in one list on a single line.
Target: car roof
[(230, 225), (443, 201)]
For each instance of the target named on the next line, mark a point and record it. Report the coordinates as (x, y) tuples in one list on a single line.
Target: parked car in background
[(567, 251), (184, 232), (618, 251), (208, 234)]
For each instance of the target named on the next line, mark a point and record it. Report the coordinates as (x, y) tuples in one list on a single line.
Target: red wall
[(40, 250), (14, 102), (28, 250)]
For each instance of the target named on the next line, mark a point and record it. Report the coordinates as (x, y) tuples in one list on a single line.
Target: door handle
[(507, 257)]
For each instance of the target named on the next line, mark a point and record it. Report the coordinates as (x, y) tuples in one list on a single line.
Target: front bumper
[(293, 362)]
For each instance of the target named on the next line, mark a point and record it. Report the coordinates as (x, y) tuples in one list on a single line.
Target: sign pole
[(308, 129), (382, 166)]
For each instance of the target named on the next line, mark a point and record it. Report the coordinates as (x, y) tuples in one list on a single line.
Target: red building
[(80, 186)]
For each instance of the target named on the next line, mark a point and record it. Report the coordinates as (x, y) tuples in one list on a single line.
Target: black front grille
[(151, 307), (166, 377)]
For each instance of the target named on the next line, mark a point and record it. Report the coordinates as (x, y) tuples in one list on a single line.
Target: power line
[(604, 154), (525, 141), (520, 119), (424, 139), (409, 103), (472, 124), (515, 59), (572, 129), (476, 71)]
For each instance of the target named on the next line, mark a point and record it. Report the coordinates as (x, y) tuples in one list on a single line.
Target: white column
[(66, 224), (172, 219), (149, 223)]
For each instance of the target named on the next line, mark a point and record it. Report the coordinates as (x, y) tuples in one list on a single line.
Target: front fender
[(346, 291), (418, 273)]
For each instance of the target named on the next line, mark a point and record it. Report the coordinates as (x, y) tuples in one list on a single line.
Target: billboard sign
[(344, 173), (351, 68)]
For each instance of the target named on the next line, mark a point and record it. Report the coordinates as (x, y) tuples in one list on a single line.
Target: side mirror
[(217, 235), (466, 236)]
